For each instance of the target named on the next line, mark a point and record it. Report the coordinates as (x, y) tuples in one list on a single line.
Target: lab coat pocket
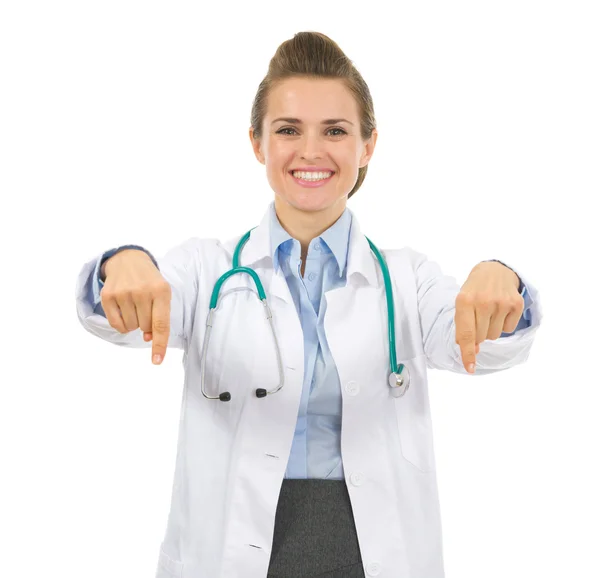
[(414, 418), (167, 566)]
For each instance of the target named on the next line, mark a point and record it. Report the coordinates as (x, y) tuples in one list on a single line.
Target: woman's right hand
[(135, 294)]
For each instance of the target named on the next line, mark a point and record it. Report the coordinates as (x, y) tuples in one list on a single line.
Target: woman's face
[(298, 134)]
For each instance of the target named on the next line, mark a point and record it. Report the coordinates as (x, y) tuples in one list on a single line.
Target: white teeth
[(312, 176)]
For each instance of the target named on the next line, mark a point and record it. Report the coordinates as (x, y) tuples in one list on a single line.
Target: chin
[(310, 203)]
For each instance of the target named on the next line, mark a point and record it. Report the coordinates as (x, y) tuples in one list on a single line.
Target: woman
[(260, 487)]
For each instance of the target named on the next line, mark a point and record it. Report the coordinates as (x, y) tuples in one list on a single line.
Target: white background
[(127, 122)]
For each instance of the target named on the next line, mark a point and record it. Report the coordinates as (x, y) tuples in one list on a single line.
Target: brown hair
[(314, 55)]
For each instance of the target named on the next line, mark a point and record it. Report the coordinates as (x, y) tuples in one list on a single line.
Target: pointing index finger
[(466, 336), (161, 324)]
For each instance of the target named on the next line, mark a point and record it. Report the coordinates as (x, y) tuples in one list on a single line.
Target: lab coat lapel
[(361, 260), (355, 317)]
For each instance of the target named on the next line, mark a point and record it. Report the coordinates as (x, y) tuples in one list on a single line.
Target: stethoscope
[(399, 378)]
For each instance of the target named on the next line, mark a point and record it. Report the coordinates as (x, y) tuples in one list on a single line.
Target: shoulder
[(406, 256), (202, 246), (194, 252)]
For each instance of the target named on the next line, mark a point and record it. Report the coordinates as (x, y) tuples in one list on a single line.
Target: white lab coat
[(232, 456)]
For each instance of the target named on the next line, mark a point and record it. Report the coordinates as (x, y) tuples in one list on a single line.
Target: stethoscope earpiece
[(226, 396)]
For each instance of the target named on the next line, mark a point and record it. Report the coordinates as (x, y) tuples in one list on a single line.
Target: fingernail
[(156, 359), (471, 368)]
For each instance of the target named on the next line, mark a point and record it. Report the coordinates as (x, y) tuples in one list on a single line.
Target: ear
[(256, 147), (368, 149)]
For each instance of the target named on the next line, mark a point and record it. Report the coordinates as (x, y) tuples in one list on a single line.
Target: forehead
[(311, 99)]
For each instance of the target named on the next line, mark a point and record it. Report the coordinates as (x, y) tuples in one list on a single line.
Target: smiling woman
[(306, 365), (313, 127)]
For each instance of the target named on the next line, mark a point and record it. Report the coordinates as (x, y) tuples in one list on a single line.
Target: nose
[(311, 146)]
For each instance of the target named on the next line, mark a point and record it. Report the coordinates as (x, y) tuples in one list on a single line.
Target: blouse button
[(311, 277)]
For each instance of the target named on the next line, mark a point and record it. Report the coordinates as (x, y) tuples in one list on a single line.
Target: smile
[(304, 180)]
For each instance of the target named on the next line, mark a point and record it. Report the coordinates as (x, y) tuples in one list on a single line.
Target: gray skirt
[(315, 535)]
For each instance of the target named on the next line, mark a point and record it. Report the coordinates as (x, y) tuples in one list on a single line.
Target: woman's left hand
[(488, 304)]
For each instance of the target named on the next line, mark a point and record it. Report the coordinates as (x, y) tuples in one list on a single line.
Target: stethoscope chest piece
[(399, 382)]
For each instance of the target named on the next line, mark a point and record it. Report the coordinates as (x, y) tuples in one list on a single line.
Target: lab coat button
[(311, 277), (373, 568), (352, 388), (357, 478)]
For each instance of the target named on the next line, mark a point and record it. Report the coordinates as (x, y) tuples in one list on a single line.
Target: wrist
[(104, 269), (113, 252), (518, 281)]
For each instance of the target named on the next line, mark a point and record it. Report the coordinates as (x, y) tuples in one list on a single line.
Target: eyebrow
[(326, 121)]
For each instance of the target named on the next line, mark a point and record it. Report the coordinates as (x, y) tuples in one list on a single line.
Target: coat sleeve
[(436, 297), (180, 267), (525, 320)]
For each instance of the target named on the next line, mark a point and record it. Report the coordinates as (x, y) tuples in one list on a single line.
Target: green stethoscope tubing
[(395, 368)]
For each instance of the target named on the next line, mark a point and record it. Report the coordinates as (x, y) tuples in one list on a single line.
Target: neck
[(306, 226)]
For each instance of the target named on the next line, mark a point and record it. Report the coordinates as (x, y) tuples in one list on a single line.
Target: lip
[(312, 169)]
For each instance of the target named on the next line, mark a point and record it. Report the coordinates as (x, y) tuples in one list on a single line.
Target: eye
[(281, 131)]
